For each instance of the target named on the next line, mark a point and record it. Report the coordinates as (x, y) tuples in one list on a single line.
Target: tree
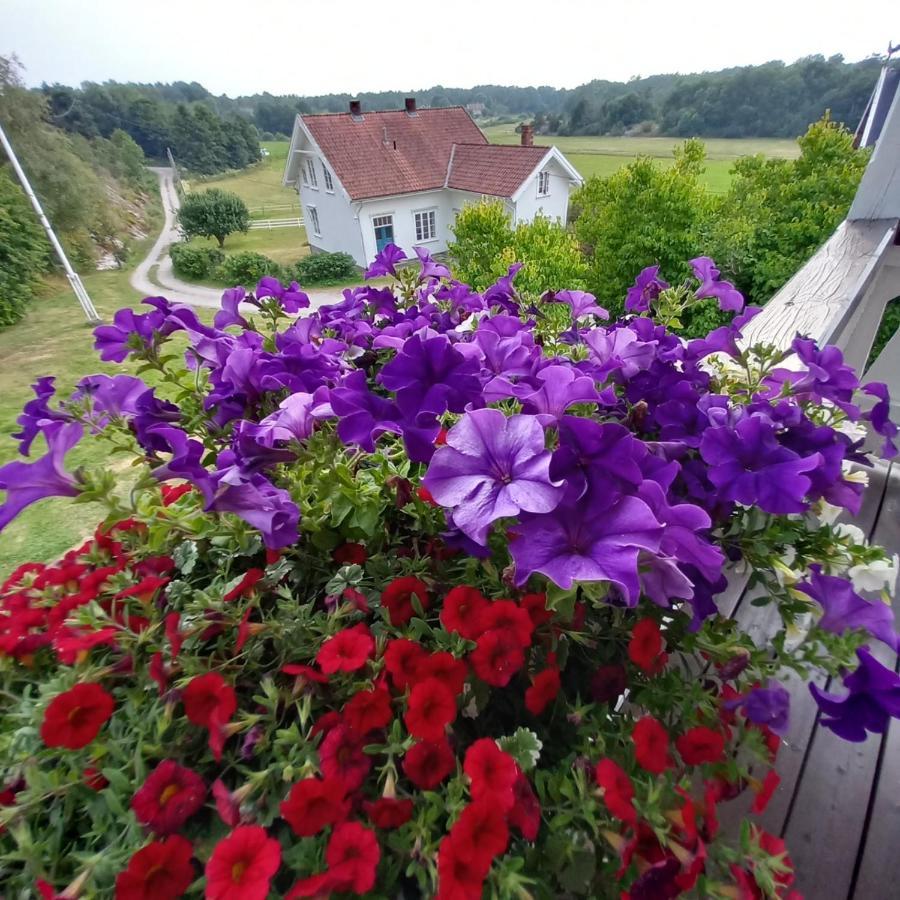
[(213, 213), (640, 216), (777, 212)]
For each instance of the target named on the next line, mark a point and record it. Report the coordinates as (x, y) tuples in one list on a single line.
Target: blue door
[(384, 231)]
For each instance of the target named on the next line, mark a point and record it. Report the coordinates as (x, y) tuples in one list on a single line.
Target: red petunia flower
[(388, 812), (645, 649), (446, 668), (498, 655), (397, 598), (536, 607), (460, 877), (608, 683), (701, 745), (504, 615), (402, 660), (347, 651), (481, 830), (618, 791), (314, 804), (491, 771), (245, 585), (210, 702), (341, 756), (74, 718), (299, 670), (460, 611), (169, 796), (430, 709), (543, 691), (175, 638), (144, 589), (352, 855), (172, 492), (242, 865), (93, 778), (427, 763), (526, 811), (160, 871), (368, 710), (227, 805), (350, 554), (651, 745), (766, 790)]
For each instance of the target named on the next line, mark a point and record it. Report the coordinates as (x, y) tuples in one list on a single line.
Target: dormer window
[(543, 184), (311, 172)]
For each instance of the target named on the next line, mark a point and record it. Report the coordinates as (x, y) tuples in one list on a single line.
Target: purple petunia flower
[(597, 538), (385, 262), (37, 415), (844, 608), (646, 288), (768, 706), (705, 271), (581, 303), (748, 465), (429, 268), (620, 349), (492, 467), (130, 331), (873, 700), (363, 416), (879, 416), (186, 455), (229, 313), (26, 483), (502, 293), (291, 298)]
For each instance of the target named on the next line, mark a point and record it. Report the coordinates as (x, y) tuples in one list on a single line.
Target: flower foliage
[(399, 597)]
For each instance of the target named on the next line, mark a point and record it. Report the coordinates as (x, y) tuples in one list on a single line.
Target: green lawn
[(284, 245), (259, 186), (604, 155)]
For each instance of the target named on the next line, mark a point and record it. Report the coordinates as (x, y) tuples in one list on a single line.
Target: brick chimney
[(527, 136), (411, 106), (356, 110)]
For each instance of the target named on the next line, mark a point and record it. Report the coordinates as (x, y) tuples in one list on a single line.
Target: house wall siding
[(554, 206), (402, 209), (337, 220)]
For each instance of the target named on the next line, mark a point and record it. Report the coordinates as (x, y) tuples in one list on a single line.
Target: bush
[(321, 268), (485, 245), (405, 599), (23, 250), (246, 268), (195, 262)]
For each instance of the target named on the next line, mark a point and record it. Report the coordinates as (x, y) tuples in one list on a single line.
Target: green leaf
[(523, 746)]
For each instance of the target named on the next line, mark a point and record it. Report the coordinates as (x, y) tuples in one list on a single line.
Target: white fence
[(276, 223)]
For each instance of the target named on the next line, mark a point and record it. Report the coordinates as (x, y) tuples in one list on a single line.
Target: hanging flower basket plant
[(421, 594)]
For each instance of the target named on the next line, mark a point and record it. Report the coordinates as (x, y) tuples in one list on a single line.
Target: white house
[(367, 179)]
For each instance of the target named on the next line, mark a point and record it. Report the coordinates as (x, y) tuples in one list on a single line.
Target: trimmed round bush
[(247, 268), (195, 262), (324, 267)]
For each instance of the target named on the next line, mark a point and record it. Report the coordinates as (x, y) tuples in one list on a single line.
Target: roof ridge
[(372, 112)]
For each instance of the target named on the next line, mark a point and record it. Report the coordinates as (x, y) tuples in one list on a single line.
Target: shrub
[(321, 268), (195, 262), (246, 268), (213, 213), (400, 600), (485, 245), (23, 251)]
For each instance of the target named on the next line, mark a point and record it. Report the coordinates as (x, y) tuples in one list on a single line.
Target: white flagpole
[(84, 299)]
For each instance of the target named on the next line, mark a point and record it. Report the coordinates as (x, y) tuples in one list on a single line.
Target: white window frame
[(311, 171), (303, 176), (543, 188), (313, 214), (429, 218), (329, 181)]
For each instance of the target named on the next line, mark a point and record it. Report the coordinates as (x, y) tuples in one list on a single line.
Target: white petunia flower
[(875, 575)]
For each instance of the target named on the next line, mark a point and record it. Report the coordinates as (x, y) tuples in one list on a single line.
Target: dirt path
[(154, 275)]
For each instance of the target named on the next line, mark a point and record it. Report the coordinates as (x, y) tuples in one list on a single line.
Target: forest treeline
[(210, 132)]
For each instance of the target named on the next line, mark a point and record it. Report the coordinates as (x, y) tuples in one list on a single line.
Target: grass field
[(604, 155), (260, 186), (284, 245)]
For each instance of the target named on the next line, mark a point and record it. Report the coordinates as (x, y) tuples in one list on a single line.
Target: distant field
[(604, 155)]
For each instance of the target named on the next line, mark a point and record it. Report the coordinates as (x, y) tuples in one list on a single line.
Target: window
[(543, 184), (314, 219), (426, 229), (303, 176), (311, 170), (329, 184)]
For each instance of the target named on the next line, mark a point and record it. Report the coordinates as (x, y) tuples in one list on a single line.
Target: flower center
[(237, 871), (170, 791), (76, 716)]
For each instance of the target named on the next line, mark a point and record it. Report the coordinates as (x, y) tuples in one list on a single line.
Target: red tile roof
[(492, 168), (390, 152)]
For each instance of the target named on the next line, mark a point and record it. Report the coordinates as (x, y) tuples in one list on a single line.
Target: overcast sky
[(325, 46)]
